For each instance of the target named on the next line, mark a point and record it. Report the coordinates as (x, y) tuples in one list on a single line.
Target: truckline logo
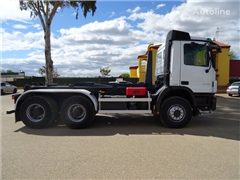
[(211, 12)]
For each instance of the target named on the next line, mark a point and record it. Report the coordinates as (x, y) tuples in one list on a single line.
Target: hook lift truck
[(185, 84)]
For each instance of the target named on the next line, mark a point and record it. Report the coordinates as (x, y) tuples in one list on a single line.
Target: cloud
[(11, 11), (17, 40), (112, 14), (81, 51), (19, 26), (160, 5), (136, 9), (37, 26), (183, 17)]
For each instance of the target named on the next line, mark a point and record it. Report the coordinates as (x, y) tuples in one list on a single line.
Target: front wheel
[(176, 112), (77, 112), (230, 94)]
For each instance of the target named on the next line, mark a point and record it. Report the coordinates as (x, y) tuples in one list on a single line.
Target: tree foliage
[(42, 71), (105, 71), (7, 71), (46, 10), (232, 54), (125, 75)]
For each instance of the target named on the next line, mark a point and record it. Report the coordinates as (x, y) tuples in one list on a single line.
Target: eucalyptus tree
[(105, 71), (42, 71), (45, 10)]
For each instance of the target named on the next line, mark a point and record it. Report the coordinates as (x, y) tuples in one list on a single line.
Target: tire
[(2, 92), (175, 112), (54, 106), (230, 94), (38, 111), (77, 112)]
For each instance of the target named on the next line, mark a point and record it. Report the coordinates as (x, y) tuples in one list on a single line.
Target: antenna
[(217, 33)]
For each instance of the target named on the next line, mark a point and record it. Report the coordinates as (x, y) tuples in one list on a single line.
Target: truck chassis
[(77, 105)]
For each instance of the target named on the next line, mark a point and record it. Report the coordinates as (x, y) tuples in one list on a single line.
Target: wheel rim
[(35, 112), (176, 113), (76, 112)]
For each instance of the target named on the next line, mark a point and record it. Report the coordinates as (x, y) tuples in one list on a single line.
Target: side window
[(2, 84), (195, 55)]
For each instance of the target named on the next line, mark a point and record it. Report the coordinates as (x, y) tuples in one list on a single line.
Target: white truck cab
[(189, 66)]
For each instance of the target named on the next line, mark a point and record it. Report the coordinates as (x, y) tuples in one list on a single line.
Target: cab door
[(196, 71)]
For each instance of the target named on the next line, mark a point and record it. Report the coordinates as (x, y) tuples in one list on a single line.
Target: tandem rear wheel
[(77, 112), (38, 111)]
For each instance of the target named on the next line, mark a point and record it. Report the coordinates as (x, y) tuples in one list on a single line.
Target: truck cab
[(188, 64)]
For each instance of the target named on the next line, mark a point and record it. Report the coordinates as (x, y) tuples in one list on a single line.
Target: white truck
[(185, 84)]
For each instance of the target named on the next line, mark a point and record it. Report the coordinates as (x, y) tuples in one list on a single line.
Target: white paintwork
[(199, 80), (175, 64), (124, 111), (124, 99)]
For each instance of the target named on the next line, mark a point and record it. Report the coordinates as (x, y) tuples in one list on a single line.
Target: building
[(234, 74), (140, 70), (133, 71), (9, 77), (222, 64)]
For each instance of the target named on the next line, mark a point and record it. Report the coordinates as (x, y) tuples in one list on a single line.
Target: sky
[(114, 37)]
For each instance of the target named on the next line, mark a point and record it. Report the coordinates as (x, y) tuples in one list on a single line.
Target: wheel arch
[(183, 92)]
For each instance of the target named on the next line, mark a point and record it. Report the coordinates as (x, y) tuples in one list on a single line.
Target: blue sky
[(117, 33)]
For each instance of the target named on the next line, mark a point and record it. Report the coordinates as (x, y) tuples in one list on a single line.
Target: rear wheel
[(38, 111), (176, 112), (77, 112), (230, 94)]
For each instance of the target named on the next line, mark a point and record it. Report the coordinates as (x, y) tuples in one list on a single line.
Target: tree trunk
[(48, 58)]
